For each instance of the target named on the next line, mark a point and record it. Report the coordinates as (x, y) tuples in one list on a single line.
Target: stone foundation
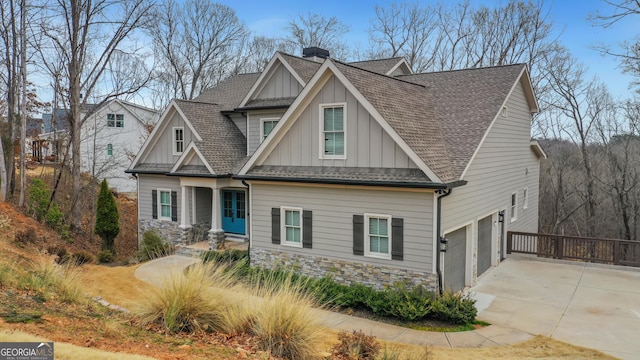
[(344, 272), (169, 231)]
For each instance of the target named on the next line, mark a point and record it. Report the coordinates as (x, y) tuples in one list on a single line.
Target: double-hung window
[(514, 206), (378, 236), (333, 131), (291, 219), (115, 120), (178, 140), (266, 125), (109, 149), (165, 204)]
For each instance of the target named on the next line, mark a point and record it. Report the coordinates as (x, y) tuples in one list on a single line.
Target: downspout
[(442, 194), (249, 216)]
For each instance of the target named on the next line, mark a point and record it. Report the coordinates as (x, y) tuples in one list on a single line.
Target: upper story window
[(333, 131), (178, 140), (115, 120), (109, 149), (266, 125), (514, 206)]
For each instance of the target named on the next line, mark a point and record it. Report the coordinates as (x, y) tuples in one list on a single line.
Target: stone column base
[(216, 237)]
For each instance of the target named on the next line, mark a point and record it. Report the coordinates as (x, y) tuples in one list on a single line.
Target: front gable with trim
[(366, 143)]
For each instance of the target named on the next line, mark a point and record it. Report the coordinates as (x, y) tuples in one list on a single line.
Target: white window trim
[(160, 217), (283, 232), (109, 146), (262, 121), (115, 121), (525, 200), (513, 207), (175, 141), (321, 127), (367, 244)]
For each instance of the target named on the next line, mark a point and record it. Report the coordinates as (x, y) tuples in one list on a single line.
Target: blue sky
[(269, 18)]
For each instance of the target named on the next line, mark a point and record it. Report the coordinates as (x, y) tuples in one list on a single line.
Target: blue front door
[(233, 211)]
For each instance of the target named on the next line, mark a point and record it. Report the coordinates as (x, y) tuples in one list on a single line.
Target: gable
[(192, 162), (367, 144), (159, 148), (280, 84)]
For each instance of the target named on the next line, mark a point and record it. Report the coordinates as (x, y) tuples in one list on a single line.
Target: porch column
[(185, 221), (216, 208)]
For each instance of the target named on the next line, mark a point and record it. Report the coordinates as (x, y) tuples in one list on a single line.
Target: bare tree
[(85, 35), (313, 29), (193, 43), (629, 51), (23, 102)]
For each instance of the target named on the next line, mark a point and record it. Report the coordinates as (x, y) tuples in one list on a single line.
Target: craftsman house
[(363, 170)]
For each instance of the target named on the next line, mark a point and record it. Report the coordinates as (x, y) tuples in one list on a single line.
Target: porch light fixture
[(444, 244), (501, 216)]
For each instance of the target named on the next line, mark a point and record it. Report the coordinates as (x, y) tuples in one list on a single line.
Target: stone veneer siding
[(344, 272), (171, 232)]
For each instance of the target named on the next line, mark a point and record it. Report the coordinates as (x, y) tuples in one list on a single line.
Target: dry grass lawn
[(116, 284)]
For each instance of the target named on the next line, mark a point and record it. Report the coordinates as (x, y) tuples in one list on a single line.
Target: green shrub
[(398, 302), (81, 258), (107, 218), (356, 345), (105, 256), (454, 308), (39, 197), (55, 217), (27, 236), (153, 246)]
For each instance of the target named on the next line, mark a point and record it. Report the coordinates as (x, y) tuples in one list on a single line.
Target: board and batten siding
[(367, 144), (148, 183), (280, 85), (333, 209), (505, 163), (253, 118), (203, 205), (162, 151)]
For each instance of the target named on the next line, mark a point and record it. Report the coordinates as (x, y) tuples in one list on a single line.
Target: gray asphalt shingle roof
[(223, 144), (465, 103), (380, 66), (230, 92), (303, 67), (409, 176)]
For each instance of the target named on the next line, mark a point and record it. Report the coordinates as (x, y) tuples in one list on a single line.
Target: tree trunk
[(23, 105), (76, 109)]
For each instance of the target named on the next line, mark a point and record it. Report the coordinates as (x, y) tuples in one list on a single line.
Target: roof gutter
[(265, 107), (425, 185)]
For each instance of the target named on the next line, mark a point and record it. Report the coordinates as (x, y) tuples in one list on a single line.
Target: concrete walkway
[(154, 271), (588, 305)]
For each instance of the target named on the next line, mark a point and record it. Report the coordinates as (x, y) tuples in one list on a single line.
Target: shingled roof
[(465, 103), (409, 110), (303, 67), (223, 146), (230, 92), (380, 66)]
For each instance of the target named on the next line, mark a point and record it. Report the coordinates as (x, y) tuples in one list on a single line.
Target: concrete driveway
[(583, 304)]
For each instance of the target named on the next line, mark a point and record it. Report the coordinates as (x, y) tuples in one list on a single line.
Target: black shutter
[(307, 229), (358, 235), (154, 204), (275, 226), (174, 206), (397, 238)]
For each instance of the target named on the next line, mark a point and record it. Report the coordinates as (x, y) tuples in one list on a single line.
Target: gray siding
[(281, 85), (253, 118), (162, 151), (195, 160), (148, 183), (333, 209), (240, 121), (368, 145), (203, 205), (504, 164)]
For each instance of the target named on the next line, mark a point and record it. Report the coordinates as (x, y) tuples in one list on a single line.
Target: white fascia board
[(266, 75), (189, 152)]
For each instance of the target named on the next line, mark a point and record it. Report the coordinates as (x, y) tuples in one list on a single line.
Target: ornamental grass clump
[(48, 279), (202, 298), (284, 320)]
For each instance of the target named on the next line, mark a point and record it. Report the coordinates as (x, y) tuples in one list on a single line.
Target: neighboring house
[(350, 169), (111, 135)]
